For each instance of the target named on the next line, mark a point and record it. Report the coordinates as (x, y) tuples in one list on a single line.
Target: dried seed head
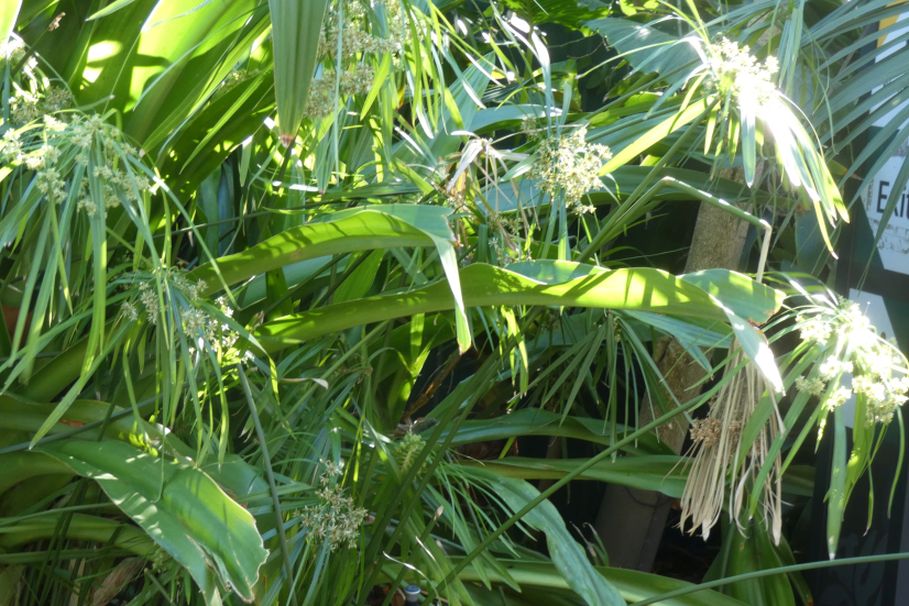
[(706, 432)]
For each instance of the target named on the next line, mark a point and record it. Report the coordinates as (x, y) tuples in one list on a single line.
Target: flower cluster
[(209, 331), (355, 44), (736, 71), (207, 327), (355, 40), (571, 165), (847, 346), (149, 302), (32, 94), (13, 50), (706, 431), (54, 148), (321, 101), (335, 519)]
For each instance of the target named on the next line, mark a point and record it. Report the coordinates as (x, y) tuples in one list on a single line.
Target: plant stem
[(882, 557)]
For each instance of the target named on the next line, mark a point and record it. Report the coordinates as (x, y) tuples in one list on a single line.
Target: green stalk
[(269, 472), (755, 574)]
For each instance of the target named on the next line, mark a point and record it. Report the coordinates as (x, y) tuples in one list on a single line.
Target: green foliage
[(291, 291)]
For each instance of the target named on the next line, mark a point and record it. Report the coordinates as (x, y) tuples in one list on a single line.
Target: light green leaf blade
[(643, 289), (646, 48), (295, 30), (111, 8), (9, 11), (632, 584), (656, 134), (751, 300), (433, 221), (347, 232), (180, 507), (565, 552), (661, 473)]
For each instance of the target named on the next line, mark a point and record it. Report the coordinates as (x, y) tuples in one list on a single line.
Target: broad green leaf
[(111, 8), (180, 507), (158, 61), (9, 11), (78, 527), (738, 292), (690, 336), (536, 421), (494, 116), (16, 467), (572, 14), (361, 279), (645, 47), (433, 221), (354, 231), (742, 310), (209, 39), (746, 552), (9, 584), (295, 30), (751, 300), (643, 289), (634, 585), (566, 554), (688, 333)]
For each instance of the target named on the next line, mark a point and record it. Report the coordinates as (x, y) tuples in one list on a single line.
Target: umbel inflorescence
[(335, 520), (842, 357), (570, 166), (349, 32), (737, 72), (853, 360)]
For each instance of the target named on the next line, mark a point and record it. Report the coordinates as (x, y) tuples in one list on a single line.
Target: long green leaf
[(180, 507), (295, 30), (361, 230), (661, 473), (536, 421), (632, 584), (644, 289), (566, 554), (656, 134), (9, 11)]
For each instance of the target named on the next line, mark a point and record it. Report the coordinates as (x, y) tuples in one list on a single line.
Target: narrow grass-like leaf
[(566, 554)]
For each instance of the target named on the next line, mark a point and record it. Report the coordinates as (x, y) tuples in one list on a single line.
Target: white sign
[(894, 243)]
